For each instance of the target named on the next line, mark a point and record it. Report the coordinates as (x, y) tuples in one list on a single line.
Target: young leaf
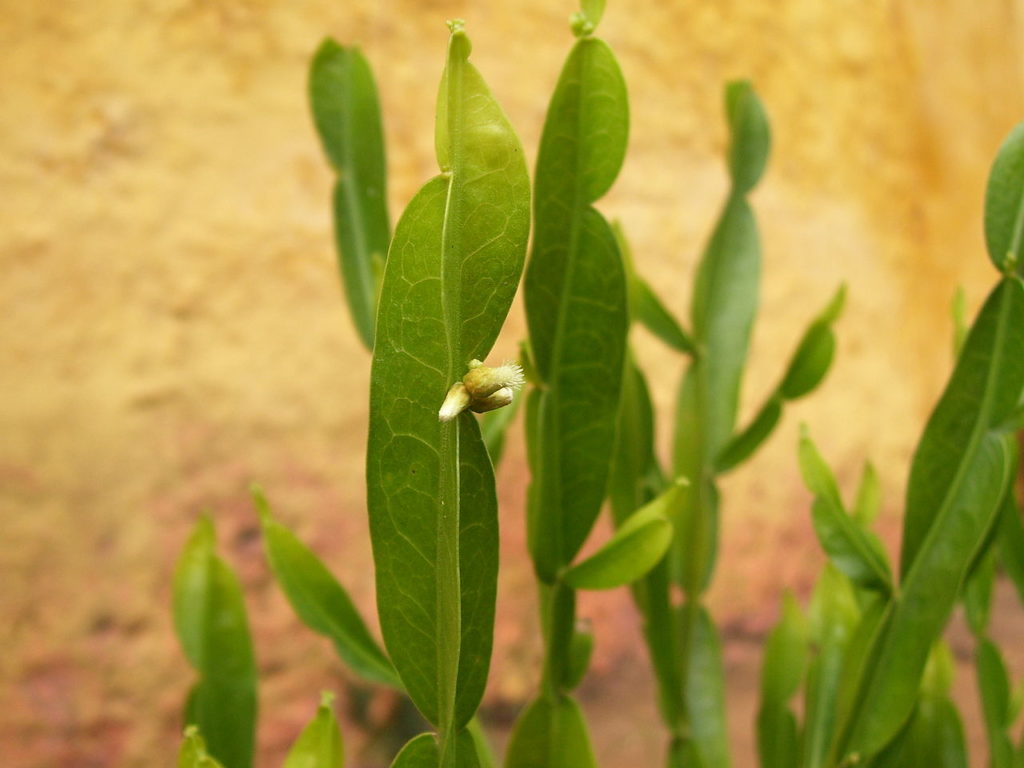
[(978, 591), (581, 649), (1011, 542), (854, 550), (347, 116), (813, 355), (576, 307), (778, 744), (634, 445), (869, 497), (636, 547), (320, 601), (705, 694), (421, 752), (751, 135), (452, 269), (1004, 204), (193, 751), (785, 655), (742, 445), (994, 685), (551, 733), (958, 310), (984, 388), (209, 615), (319, 745)]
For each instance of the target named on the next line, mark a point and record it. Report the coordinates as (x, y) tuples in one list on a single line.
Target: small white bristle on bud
[(511, 373)]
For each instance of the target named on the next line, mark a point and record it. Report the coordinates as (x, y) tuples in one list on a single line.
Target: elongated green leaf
[(868, 503), (593, 10), (705, 694), (742, 445), (751, 135), (581, 649), (636, 547), (890, 677), (785, 656), (551, 733), (958, 311), (452, 269), (933, 737), (421, 752), (1011, 542), (778, 745), (813, 356), (978, 591), (649, 311), (209, 615), (576, 307), (319, 745), (854, 550), (994, 685), (661, 631), (193, 752), (984, 388), (832, 619), (1004, 203), (634, 446), (320, 601), (482, 747), (347, 116)]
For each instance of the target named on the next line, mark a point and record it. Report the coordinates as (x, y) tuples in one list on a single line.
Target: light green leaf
[(634, 445), (593, 10), (482, 747), (319, 745), (778, 745), (633, 550), (751, 135), (209, 615), (551, 733), (984, 388), (705, 694), (785, 655), (581, 648), (868, 503), (347, 116), (994, 686), (193, 751), (978, 591), (854, 550), (958, 310), (1004, 204), (320, 601), (420, 752), (452, 269), (939, 671), (743, 444), (576, 306), (1011, 542)]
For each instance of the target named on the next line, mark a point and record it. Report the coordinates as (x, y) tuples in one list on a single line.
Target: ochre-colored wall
[(172, 326)]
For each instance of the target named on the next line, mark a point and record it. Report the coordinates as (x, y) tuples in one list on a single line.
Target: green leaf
[(636, 547), (743, 444), (209, 615), (939, 671), (978, 591), (932, 737), (1004, 203), (832, 620), (785, 656), (319, 745), (320, 601), (984, 388), (751, 135), (193, 751), (1011, 542), (420, 752), (346, 112), (482, 747), (854, 550), (593, 10), (634, 445), (452, 269), (813, 356), (778, 745), (576, 306), (581, 649), (890, 677), (551, 733), (869, 497), (705, 694), (994, 686), (958, 310)]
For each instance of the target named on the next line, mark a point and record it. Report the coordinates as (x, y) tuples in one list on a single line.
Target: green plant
[(429, 302)]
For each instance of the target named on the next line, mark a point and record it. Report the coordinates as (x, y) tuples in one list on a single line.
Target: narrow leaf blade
[(1004, 203), (319, 745)]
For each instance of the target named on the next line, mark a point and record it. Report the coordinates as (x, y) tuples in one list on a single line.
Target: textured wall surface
[(172, 325)]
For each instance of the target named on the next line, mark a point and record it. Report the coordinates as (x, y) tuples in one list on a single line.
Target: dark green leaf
[(452, 269), (320, 601), (576, 307), (209, 614), (742, 445), (421, 752), (319, 745), (751, 135), (347, 116), (994, 685), (193, 751), (810, 362), (581, 649), (854, 550), (984, 388), (1011, 542), (1004, 203), (978, 591), (551, 733), (636, 547), (777, 743), (661, 631), (634, 446)]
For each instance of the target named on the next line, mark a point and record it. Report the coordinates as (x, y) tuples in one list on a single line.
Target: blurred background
[(173, 326)]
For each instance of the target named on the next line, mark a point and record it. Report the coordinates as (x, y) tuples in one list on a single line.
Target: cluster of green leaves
[(429, 302)]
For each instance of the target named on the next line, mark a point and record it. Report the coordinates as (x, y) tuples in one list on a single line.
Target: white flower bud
[(493, 401), (455, 402), (482, 381)]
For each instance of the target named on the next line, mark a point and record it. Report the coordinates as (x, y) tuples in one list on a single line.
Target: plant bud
[(492, 402), (482, 381), (455, 402)]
